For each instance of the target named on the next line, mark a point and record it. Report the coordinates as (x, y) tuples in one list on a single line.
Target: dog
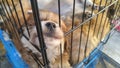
[(53, 36)]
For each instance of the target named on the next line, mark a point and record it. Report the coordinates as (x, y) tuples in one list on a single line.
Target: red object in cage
[(117, 24)]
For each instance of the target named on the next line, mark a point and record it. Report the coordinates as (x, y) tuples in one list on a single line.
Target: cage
[(56, 34)]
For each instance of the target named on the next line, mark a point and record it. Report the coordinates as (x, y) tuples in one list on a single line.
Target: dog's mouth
[(54, 35)]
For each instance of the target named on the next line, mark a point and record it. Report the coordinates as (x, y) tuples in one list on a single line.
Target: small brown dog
[(53, 38)]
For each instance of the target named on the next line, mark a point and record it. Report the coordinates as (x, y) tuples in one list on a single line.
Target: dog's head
[(53, 34)]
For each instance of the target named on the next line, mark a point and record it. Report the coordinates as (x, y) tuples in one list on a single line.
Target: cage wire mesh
[(87, 23)]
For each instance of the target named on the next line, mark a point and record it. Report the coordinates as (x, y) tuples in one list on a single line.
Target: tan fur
[(93, 39), (26, 6)]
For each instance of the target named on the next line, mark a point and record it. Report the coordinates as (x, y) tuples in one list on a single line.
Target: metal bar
[(3, 23), (81, 31), (101, 20), (109, 19), (37, 59), (39, 32), (33, 55), (85, 51), (73, 15), (79, 51), (31, 43), (89, 19), (3, 9), (106, 23), (118, 10), (6, 25), (9, 25), (10, 19), (106, 16), (24, 17), (97, 18), (26, 25), (60, 26), (3, 17), (82, 25), (21, 31), (59, 13), (103, 29), (12, 15), (14, 22)]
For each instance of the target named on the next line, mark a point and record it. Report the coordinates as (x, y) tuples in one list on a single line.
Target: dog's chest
[(53, 48), (51, 42)]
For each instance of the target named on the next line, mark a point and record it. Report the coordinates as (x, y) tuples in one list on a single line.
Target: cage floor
[(112, 47)]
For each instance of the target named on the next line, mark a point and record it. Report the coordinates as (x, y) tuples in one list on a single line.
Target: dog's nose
[(50, 25)]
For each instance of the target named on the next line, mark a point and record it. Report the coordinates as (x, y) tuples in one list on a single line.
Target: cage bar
[(40, 35)]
